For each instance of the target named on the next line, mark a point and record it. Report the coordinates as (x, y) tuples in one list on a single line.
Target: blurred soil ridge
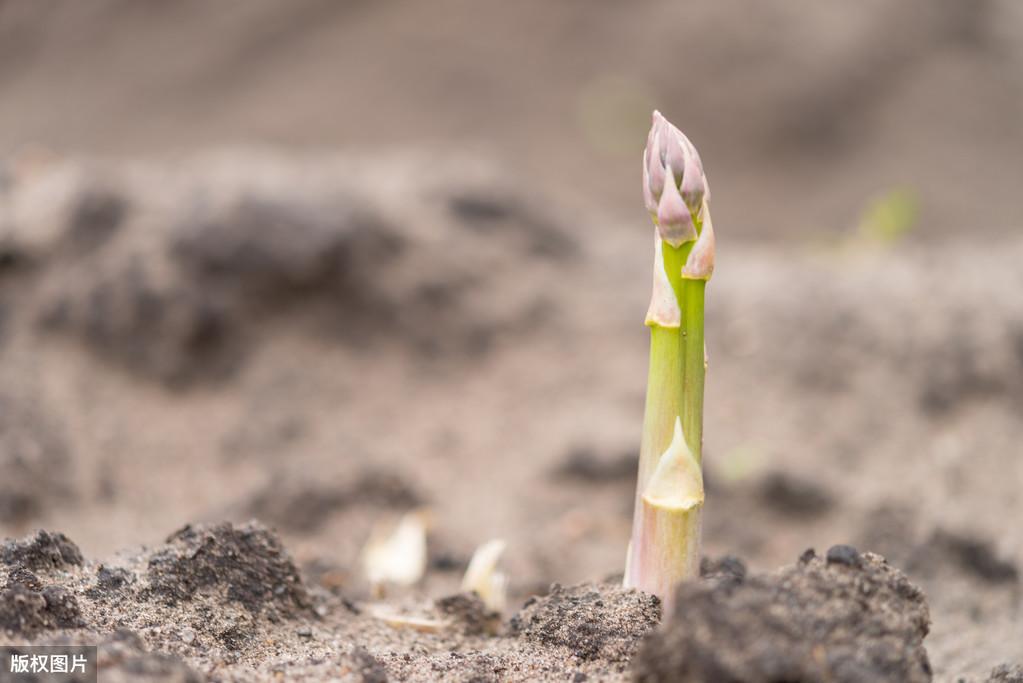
[(34, 460), (850, 100), (172, 273)]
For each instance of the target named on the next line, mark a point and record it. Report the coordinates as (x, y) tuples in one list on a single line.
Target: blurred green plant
[(741, 463), (889, 217)]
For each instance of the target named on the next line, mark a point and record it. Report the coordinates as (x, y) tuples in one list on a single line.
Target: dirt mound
[(851, 618), (25, 610), (218, 585), (245, 564), (605, 622), (27, 604), (42, 552)]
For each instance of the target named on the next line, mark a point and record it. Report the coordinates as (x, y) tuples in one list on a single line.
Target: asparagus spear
[(665, 544)]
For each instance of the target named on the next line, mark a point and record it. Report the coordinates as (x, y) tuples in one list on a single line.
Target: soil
[(846, 617), (277, 337), (227, 602)]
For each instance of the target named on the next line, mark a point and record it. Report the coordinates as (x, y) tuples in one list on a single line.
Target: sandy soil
[(323, 342)]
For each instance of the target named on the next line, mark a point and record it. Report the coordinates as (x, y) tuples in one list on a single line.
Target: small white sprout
[(483, 577), (396, 553)]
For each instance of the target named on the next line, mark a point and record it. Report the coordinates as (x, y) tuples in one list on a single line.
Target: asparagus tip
[(674, 184)]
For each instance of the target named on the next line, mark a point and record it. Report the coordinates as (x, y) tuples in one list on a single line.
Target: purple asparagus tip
[(674, 185)]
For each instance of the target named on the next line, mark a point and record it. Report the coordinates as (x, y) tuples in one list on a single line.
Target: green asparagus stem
[(693, 368), (665, 544), (664, 397)]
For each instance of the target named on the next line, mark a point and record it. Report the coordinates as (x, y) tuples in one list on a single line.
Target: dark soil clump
[(23, 577), (586, 465), (27, 611), (368, 667), (469, 611), (1006, 674), (42, 552), (834, 620), (34, 461), (245, 564), (727, 568), (96, 216), (974, 556), (123, 658), (793, 496), (113, 578), (594, 621), (843, 554)]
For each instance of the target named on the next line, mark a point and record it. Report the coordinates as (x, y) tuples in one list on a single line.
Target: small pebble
[(304, 632), (727, 566), (187, 636), (844, 554), (807, 555)]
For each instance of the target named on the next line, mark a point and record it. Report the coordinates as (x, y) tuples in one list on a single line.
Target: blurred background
[(803, 110), (322, 262)]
